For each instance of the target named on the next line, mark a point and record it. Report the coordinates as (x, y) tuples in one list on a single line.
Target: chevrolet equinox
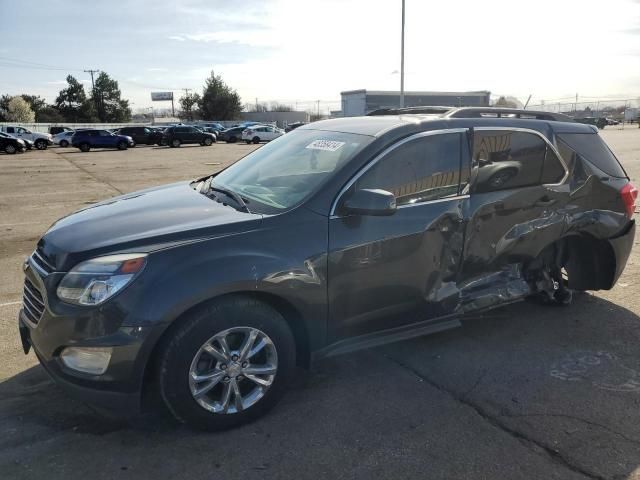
[(340, 235)]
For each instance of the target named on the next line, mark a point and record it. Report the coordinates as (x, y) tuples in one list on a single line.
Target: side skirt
[(390, 335)]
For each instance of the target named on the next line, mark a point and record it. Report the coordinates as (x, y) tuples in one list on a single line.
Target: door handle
[(545, 202)]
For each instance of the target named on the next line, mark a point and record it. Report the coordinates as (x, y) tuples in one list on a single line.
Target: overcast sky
[(304, 50)]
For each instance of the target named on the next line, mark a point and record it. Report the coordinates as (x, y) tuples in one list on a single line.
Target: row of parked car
[(19, 139)]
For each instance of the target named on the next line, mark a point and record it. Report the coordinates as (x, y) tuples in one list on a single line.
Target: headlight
[(96, 280)]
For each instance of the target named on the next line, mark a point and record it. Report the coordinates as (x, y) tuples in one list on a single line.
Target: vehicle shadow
[(498, 363)]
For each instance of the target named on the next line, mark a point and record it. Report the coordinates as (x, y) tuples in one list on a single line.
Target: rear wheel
[(232, 140), (41, 144), (10, 149), (85, 147), (227, 364), (175, 143), (64, 144), (256, 140)]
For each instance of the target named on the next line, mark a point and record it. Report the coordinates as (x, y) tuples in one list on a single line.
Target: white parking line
[(10, 303), (19, 223)]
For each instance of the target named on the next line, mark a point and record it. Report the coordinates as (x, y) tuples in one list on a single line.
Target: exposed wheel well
[(290, 314), (590, 263)]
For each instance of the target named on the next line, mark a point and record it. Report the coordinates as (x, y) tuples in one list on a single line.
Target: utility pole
[(318, 102), (575, 105), (402, 61), (93, 85)]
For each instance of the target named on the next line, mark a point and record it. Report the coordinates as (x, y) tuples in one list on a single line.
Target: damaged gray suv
[(340, 235)]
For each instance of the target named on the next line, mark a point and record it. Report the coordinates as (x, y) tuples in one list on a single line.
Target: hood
[(145, 221)]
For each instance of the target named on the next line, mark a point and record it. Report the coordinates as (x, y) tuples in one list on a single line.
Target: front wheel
[(227, 364), (10, 149), (85, 147), (41, 144), (175, 143), (122, 145), (207, 142), (256, 140), (64, 144)]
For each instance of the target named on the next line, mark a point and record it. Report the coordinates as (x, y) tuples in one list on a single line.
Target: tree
[(18, 110), (189, 106), (73, 104), (219, 101), (256, 107), (502, 102), (49, 114), (280, 107), (4, 107), (107, 99)]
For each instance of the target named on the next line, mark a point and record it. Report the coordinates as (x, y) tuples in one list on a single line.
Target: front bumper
[(117, 392)]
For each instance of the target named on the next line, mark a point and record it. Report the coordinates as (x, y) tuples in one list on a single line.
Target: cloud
[(157, 69), (177, 38)]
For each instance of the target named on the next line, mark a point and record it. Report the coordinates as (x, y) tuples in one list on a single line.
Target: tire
[(248, 142), (207, 142), (10, 149), (256, 140), (175, 143), (64, 144), (232, 140), (41, 144), (233, 318), (122, 145), (85, 147)]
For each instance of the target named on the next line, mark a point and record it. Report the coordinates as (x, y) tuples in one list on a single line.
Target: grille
[(32, 302), (42, 262)]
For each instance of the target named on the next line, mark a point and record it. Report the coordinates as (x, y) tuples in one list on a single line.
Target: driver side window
[(421, 170)]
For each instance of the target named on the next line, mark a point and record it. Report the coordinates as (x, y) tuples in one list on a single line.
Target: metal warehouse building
[(361, 102)]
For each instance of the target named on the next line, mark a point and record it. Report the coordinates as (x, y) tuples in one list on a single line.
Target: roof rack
[(427, 109), (490, 112)]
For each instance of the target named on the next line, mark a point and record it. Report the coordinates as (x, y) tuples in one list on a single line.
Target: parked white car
[(63, 138), (40, 140), (261, 133)]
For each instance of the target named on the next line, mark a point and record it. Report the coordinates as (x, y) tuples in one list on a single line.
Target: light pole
[(402, 61)]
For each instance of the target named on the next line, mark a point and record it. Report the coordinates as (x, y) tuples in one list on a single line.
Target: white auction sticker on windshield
[(328, 145)]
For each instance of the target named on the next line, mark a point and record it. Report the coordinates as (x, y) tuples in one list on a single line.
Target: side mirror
[(369, 202)]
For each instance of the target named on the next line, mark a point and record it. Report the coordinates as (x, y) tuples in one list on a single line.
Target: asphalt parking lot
[(523, 392)]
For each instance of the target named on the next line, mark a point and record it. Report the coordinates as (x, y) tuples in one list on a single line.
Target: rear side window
[(508, 159), (421, 170), (593, 149)]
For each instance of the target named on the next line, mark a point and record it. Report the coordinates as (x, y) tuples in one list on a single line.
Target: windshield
[(284, 172)]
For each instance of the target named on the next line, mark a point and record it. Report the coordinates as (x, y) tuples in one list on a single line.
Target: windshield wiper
[(230, 193)]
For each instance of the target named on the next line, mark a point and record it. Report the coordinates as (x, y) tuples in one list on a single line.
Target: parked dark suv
[(85, 140), (143, 135), (339, 235), (182, 134)]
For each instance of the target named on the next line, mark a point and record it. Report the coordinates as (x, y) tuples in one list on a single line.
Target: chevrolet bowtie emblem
[(25, 265)]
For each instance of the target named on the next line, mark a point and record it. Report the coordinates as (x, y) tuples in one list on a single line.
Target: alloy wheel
[(233, 370)]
